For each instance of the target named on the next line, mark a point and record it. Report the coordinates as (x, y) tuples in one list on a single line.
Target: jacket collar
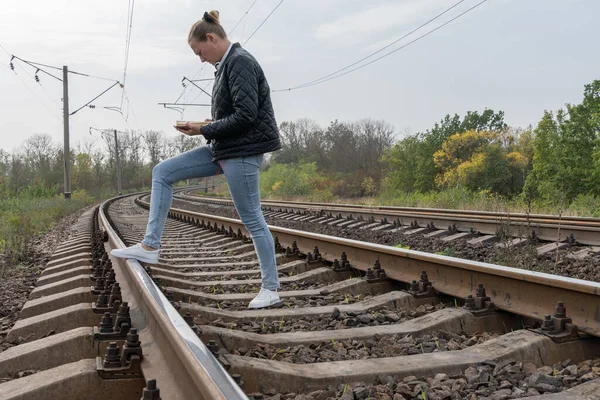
[(231, 51)]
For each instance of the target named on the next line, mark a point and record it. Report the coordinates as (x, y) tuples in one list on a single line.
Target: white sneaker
[(137, 252), (264, 298)]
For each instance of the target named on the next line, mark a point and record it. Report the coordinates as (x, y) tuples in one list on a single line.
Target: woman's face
[(207, 50)]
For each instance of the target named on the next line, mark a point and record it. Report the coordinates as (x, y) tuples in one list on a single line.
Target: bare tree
[(155, 144), (39, 151)]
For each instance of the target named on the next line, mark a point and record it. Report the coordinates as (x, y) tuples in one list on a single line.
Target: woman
[(244, 129)]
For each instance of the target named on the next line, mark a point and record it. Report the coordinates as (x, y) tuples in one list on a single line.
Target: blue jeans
[(242, 178)]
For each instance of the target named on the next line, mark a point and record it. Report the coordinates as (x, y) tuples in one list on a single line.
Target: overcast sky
[(519, 56)]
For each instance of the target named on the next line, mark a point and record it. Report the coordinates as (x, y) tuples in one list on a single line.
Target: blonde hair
[(208, 24)]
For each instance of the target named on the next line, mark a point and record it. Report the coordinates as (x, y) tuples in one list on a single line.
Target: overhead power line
[(204, 66), (247, 40), (127, 44), (38, 69), (38, 98), (184, 104), (89, 102), (337, 73), (262, 23), (37, 64), (243, 16)]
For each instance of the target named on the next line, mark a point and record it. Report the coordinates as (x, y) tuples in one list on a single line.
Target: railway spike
[(548, 323), (335, 265), (123, 316), (470, 303), (112, 356), (99, 286), (480, 291), (115, 294), (102, 300), (131, 347), (559, 310), (278, 247), (213, 346), (316, 253), (237, 378), (151, 392), (106, 323)]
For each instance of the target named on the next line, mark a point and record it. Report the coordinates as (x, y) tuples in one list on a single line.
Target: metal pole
[(67, 151), (118, 164)]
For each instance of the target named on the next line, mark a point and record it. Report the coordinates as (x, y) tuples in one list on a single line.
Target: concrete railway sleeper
[(356, 321)]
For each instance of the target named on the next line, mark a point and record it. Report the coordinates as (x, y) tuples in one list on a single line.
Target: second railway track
[(484, 225), (356, 321)]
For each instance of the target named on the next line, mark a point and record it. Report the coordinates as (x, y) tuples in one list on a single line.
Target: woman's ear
[(211, 38)]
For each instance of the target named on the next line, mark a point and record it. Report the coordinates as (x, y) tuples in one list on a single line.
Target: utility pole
[(67, 151), (118, 164)]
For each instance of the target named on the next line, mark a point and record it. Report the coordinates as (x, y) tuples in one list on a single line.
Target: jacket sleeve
[(243, 86)]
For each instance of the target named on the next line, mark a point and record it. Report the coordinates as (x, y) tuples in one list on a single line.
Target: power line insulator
[(92, 106), (37, 78), (12, 66)]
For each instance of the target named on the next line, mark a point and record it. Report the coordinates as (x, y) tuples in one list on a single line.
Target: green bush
[(586, 205), (289, 181)]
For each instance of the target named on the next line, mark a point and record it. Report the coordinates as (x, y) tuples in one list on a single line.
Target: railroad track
[(479, 226), (357, 321)]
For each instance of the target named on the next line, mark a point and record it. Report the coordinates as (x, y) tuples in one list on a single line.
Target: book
[(183, 124)]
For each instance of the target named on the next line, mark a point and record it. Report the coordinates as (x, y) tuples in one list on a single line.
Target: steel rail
[(173, 353), (526, 293), (585, 230)]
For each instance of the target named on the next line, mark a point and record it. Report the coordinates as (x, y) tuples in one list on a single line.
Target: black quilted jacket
[(241, 108)]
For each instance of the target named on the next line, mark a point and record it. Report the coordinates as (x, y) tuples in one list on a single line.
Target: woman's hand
[(192, 128), (183, 129)]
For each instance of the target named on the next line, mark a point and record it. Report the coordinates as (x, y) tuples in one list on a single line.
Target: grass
[(21, 219)]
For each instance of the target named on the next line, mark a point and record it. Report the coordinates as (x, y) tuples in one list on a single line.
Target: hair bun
[(212, 17)]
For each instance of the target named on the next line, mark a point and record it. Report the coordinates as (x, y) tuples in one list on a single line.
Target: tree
[(565, 159), (480, 160), (82, 173), (155, 144), (410, 163)]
